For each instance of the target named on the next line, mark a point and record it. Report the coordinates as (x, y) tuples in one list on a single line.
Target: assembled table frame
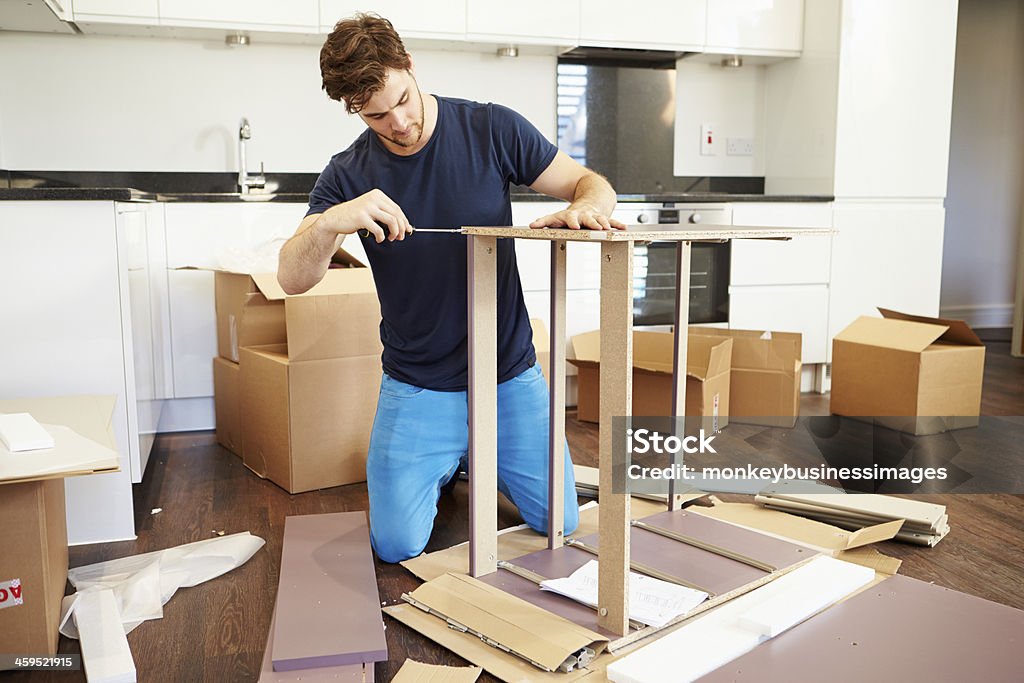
[(616, 384)]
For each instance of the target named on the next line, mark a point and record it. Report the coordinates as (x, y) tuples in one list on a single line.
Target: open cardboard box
[(911, 373), (707, 378), (33, 536), (764, 381)]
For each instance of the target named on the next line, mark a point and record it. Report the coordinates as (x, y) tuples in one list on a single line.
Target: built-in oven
[(654, 265)]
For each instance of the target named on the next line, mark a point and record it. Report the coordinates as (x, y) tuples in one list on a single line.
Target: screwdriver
[(363, 232)]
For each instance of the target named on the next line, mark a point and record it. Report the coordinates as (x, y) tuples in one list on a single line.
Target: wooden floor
[(217, 631)]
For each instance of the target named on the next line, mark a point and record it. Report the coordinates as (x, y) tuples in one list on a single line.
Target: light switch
[(708, 147)]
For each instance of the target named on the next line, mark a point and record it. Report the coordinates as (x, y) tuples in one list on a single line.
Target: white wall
[(986, 164), (144, 104), (730, 99)]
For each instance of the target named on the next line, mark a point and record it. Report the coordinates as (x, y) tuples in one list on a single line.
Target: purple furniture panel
[(328, 607)]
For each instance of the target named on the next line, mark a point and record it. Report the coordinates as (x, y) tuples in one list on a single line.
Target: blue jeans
[(420, 435)]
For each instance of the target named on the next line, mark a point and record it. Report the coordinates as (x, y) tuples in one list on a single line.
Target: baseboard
[(187, 415), (981, 315)]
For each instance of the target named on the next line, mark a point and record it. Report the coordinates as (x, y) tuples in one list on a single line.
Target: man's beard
[(411, 141)]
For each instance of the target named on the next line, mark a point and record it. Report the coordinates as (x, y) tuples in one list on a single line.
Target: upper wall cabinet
[(755, 27), (296, 15), (411, 20), (116, 11), (652, 24), (529, 22)]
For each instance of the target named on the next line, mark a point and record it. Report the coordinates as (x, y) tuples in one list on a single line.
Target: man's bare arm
[(305, 257), (591, 196)]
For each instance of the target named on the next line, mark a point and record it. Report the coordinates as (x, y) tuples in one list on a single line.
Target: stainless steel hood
[(622, 57)]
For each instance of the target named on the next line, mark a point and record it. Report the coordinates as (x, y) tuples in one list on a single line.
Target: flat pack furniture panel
[(899, 630), (679, 341), (328, 607), (556, 400), (616, 378), (483, 404), (347, 673)]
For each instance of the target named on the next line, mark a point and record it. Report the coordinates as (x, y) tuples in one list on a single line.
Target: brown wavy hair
[(356, 56)]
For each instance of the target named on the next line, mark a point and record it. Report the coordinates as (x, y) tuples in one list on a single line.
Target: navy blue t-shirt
[(461, 177)]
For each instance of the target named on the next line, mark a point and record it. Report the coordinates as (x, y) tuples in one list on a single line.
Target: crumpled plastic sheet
[(142, 584)]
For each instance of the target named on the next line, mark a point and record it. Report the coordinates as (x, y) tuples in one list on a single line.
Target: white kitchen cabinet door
[(133, 252), (410, 19), (159, 302), (536, 22), (801, 260), (652, 25), (895, 98), (229, 235), (193, 331), (755, 26), (886, 254), (786, 308), (116, 11), (64, 314), (301, 15)]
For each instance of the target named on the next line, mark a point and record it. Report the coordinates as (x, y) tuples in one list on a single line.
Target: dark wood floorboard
[(216, 631)]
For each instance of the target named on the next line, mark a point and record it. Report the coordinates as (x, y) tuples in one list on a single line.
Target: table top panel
[(649, 233)]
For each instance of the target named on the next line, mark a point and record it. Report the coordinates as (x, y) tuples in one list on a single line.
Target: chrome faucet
[(247, 182)]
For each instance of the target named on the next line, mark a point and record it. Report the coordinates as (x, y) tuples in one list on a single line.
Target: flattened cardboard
[(227, 404), (505, 666), (764, 380), (328, 607), (708, 361), (910, 373), (528, 631), (868, 637), (339, 317), (307, 424), (418, 672)]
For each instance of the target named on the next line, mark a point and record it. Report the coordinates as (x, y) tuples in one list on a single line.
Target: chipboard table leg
[(616, 392), (483, 405), (556, 401), (682, 323)]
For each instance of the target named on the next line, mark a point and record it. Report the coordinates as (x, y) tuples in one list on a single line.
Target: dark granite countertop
[(691, 198), (116, 194)]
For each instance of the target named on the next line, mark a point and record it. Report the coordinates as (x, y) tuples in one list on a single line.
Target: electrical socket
[(739, 147)]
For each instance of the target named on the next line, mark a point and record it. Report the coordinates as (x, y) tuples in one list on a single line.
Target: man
[(436, 162)]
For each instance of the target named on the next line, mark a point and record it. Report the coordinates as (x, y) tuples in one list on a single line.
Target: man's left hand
[(576, 217)]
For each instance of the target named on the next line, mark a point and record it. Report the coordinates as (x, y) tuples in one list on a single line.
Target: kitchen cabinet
[(296, 15), (410, 19), (79, 294), (755, 27), (116, 11), (783, 285), (888, 254), (528, 22), (202, 237), (653, 24)]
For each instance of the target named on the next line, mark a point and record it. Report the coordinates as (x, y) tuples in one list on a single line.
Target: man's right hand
[(374, 212)]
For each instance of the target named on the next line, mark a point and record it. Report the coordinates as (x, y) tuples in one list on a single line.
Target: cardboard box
[(340, 316), (227, 404), (33, 533), (707, 378), (33, 565), (911, 373), (307, 423), (542, 345), (764, 384)]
